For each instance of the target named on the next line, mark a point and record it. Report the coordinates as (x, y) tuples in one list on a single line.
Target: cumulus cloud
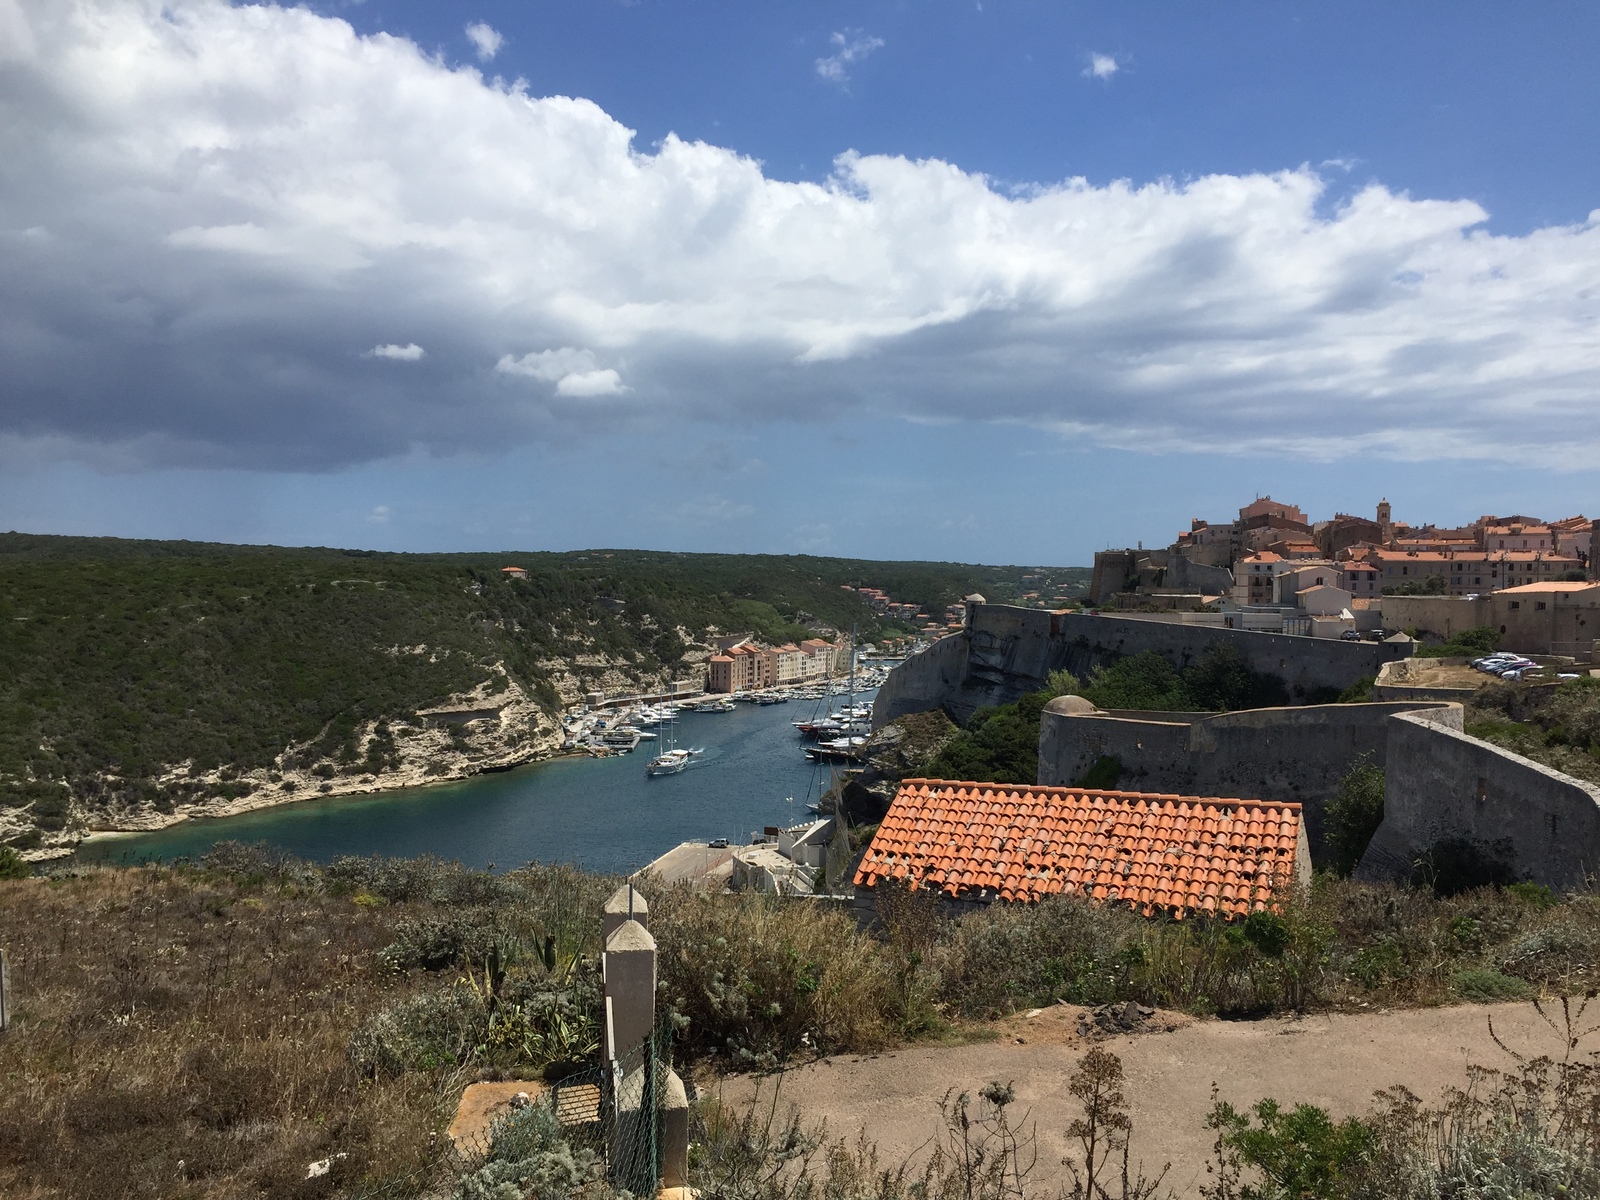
[(572, 371), (485, 39), (379, 515), (849, 48), (1101, 66), (203, 207), (411, 352)]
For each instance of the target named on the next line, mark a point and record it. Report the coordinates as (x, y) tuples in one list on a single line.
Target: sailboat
[(671, 760)]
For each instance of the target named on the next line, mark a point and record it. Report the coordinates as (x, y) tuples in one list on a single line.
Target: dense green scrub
[(1557, 725), (121, 659), (1001, 744)]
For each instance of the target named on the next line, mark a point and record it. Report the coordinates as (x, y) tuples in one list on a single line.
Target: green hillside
[(121, 659)]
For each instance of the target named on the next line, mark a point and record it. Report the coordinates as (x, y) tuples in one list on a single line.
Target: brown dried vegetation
[(179, 1032)]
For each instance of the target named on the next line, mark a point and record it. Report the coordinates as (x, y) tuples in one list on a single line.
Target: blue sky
[(998, 282)]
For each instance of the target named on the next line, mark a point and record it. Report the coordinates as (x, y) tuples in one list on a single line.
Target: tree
[(1353, 815)]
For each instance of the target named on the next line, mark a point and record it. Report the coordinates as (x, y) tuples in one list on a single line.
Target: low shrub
[(13, 865), (529, 1155), (1484, 984), (751, 979)]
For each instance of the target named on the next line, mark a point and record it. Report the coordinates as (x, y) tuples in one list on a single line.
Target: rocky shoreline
[(497, 727)]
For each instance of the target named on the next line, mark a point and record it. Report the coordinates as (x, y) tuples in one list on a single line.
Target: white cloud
[(572, 371), (220, 201), (548, 365), (379, 515), (486, 39), (850, 47), (411, 352), (1101, 66), (591, 383)]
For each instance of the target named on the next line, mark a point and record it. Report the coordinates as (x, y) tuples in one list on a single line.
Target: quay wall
[(1006, 652), (1298, 754), (1444, 787)]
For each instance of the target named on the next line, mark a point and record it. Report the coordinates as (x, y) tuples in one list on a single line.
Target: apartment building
[(1468, 571)]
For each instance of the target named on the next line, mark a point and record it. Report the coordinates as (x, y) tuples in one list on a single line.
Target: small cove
[(598, 814)]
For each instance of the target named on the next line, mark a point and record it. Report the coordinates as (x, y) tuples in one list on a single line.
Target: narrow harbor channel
[(599, 814)]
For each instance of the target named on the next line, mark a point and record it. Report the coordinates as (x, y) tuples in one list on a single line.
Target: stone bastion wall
[(1006, 652), (1444, 788), (1445, 794), (1297, 754)]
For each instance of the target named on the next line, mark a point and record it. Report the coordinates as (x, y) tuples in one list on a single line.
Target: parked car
[(718, 843), (1350, 635)]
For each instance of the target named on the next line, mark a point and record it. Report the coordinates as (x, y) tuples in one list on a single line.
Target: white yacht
[(668, 763)]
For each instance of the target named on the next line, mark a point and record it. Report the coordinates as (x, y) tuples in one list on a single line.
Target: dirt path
[(1335, 1061)]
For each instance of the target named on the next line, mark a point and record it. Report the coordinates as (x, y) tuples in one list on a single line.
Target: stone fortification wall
[(1007, 652), (923, 682), (1442, 786), (1182, 573), (1260, 754), (1442, 616)]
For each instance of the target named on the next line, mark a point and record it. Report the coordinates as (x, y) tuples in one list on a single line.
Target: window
[(1538, 605), (1516, 604)]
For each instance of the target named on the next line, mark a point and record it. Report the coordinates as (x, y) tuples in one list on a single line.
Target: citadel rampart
[(1451, 802), (1006, 652), (1259, 754), (1445, 791)]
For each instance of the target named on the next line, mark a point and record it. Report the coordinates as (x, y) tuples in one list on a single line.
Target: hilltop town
[(1273, 569)]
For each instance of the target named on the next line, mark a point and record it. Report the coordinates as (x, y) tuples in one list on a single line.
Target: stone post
[(626, 904), (629, 969), (630, 986), (5, 994), (674, 1133)]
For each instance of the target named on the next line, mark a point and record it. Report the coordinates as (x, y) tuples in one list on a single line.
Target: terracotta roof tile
[(1153, 852)]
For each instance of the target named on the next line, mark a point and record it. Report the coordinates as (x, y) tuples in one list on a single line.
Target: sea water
[(602, 814)]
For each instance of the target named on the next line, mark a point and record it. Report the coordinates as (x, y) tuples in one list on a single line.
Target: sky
[(995, 282)]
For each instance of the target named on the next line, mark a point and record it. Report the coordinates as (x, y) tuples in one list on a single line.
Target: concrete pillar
[(629, 967), (626, 904), (674, 1133)]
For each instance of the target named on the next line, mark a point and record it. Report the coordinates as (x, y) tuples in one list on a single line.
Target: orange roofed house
[(978, 843)]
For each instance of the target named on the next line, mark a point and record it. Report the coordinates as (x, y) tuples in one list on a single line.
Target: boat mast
[(852, 666)]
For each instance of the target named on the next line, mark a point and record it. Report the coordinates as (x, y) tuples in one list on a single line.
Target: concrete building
[(786, 664), (1266, 506), (1323, 600), (1290, 578), (1548, 618), (1539, 618), (1468, 571), (1361, 579), (742, 668), (719, 673), (1518, 537), (1253, 579), (825, 658)]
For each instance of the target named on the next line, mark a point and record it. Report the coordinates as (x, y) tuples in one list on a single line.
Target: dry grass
[(187, 1033), (209, 1032)]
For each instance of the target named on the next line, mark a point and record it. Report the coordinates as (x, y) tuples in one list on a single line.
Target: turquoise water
[(601, 814)]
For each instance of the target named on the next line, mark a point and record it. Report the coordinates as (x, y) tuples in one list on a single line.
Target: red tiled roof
[(1016, 842)]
